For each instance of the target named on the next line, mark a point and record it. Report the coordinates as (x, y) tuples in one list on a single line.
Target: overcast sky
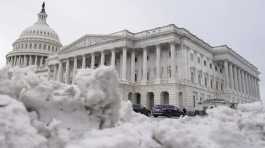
[(237, 23)]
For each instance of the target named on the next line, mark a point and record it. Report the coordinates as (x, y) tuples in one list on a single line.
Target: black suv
[(166, 110), (141, 109)]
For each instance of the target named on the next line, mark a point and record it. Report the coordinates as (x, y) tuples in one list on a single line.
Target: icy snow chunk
[(93, 101), (15, 126), (14, 80), (100, 94)]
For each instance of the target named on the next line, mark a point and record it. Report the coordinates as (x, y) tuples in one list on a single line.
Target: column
[(74, 68), (144, 77), (36, 61), (102, 58), (19, 60), (235, 78), (252, 86), (55, 73), (24, 60), (246, 82), (255, 89), (173, 65), (30, 60), (239, 80), (83, 61), (41, 61), (226, 74), (158, 50), (231, 76), (133, 66), (124, 63), (14, 60), (67, 71), (92, 60), (243, 82), (113, 57), (60, 71), (258, 89)]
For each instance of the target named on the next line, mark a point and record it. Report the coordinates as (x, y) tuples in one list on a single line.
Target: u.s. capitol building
[(164, 65)]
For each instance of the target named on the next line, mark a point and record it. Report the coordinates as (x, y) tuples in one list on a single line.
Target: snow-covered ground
[(36, 113)]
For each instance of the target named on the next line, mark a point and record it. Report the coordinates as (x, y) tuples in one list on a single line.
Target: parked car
[(141, 109), (166, 110)]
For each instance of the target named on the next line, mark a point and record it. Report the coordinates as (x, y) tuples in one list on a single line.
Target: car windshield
[(164, 106), (136, 106)]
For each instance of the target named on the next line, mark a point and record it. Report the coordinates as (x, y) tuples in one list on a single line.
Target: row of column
[(240, 81), (123, 63), (26, 60)]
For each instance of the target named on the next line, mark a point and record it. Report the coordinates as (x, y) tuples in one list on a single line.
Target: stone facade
[(164, 65)]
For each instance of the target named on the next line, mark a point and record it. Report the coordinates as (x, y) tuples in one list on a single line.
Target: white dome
[(40, 30)]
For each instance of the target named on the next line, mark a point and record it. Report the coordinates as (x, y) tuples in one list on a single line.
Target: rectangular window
[(191, 56)]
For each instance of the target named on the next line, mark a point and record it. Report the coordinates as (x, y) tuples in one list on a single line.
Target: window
[(192, 75), (147, 58), (211, 65), (204, 62), (216, 85), (135, 59), (199, 60), (216, 68), (191, 56), (30, 45), (44, 47), (200, 77), (35, 46), (206, 81), (39, 46), (211, 83), (169, 71), (169, 53)]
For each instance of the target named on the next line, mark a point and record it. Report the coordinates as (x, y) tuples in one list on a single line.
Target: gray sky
[(237, 23)]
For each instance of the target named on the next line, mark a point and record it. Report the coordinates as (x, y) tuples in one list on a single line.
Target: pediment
[(89, 40)]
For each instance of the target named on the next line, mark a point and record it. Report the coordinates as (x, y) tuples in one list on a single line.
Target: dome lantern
[(42, 16)]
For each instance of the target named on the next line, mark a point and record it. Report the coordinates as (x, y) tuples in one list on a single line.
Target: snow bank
[(16, 130), (61, 111), (90, 113), (222, 128)]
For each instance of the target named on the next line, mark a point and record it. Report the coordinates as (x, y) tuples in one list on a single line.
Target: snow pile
[(90, 113), (15, 126), (59, 111), (222, 128)]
